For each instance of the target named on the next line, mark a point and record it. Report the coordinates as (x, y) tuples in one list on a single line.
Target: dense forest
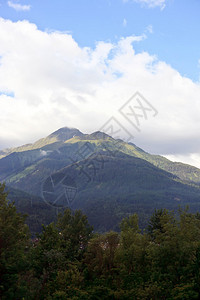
[(68, 260)]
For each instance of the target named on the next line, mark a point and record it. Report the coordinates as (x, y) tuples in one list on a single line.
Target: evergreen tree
[(14, 236)]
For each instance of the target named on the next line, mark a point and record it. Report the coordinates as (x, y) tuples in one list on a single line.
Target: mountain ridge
[(122, 177), (59, 138)]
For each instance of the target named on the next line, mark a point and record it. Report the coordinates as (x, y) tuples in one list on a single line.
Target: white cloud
[(149, 29), (191, 159), (54, 83), (150, 3), (43, 153), (124, 22), (18, 6)]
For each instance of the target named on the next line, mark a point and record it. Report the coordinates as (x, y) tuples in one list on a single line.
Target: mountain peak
[(65, 133), (98, 135)]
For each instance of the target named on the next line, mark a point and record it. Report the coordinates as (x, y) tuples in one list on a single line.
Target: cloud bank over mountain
[(48, 81)]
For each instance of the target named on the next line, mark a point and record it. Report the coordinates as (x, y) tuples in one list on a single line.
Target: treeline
[(69, 261)]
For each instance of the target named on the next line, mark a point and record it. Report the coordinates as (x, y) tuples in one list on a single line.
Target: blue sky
[(75, 63), (175, 37)]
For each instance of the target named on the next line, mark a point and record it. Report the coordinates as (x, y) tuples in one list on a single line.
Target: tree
[(155, 224), (132, 244), (101, 252), (57, 256), (14, 237), (75, 232)]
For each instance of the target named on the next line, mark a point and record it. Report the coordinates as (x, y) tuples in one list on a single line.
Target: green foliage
[(100, 254), (14, 236), (68, 261), (74, 231), (156, 222), (58, 252)]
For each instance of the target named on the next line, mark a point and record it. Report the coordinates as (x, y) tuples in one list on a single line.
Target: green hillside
[(123, 185), (26, 169), (113, 178), (37, 211)]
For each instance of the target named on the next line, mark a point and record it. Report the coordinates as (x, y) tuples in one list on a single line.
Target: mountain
[(59, 136), (110, 188), (33, 207), (106, 178)]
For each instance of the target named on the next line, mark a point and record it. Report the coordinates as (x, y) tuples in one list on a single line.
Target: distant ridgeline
[(108, 179)]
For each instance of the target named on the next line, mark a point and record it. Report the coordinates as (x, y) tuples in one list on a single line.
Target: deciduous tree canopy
[(69, 261)]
